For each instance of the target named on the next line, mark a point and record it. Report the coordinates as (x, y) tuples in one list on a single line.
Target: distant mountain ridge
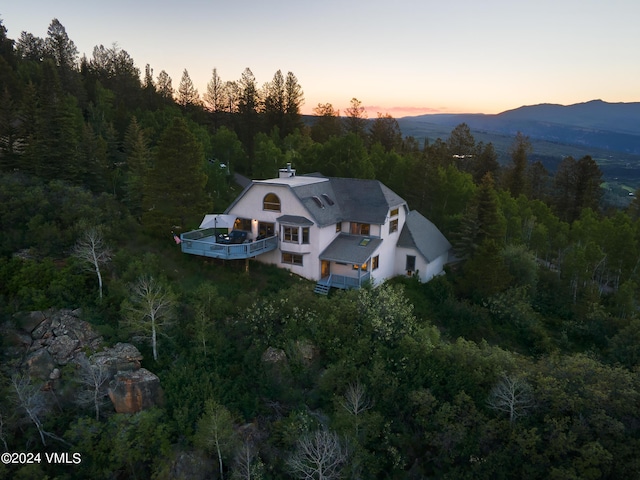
[(595, 124)]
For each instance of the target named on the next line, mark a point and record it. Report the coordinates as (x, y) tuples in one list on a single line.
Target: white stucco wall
[(251, 206), (426, 270)]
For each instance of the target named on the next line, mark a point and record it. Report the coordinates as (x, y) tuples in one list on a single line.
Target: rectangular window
[(362, 267), (360, 228), (338, 227), (393, 226), (292, 258), (242, 224), (290, 234), (394, 213), (374, 262), (411, 263), (305, 235)]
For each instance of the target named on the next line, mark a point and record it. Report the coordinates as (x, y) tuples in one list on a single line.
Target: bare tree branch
[(30, 399), (356, 402), (512, 395), (94, 377), (319, 455), (91, 249), (150, 309)]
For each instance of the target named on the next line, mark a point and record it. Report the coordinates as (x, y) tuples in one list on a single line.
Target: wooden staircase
[(322, 288)]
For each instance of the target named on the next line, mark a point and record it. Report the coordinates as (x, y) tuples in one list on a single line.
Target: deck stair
[(322, 288)]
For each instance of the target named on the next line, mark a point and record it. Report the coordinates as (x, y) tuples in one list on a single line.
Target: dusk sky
[(398, 57)]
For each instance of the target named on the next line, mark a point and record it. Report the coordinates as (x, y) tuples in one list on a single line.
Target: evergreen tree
[(174, 188), (187, 94), (462, 148), (214, 98), (60, 48), (93, 155), (515, 179), (481, 222), (537, 181), (30, 47), (386, 131), (249, 106), (588, 180), (6, 46), (274, 102), (356, 118), (327, 123), (230, 95), (163, 86), (11, 132), (576, 187), (137, 154), (293, 101), (485, 162), (52, 145)]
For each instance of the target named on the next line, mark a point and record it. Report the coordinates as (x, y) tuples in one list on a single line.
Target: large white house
[(339, 232)]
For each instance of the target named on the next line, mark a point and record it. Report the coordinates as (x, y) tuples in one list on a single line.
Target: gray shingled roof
[(355, 200), (422, 235), (350, 249), (295, 220)]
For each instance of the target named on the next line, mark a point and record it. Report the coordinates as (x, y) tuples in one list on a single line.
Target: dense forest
[(521, 362)]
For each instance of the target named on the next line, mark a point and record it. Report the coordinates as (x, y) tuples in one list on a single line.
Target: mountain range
[(600, 125)]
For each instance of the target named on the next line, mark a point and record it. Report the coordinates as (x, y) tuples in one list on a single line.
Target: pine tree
[(327, 123), (482, 221), (174, 188), (187, 93), (249, 106), (137, 153), (356, 119), (515, 176), (164, 87), (274, 102), (293, 101), (52, 145)]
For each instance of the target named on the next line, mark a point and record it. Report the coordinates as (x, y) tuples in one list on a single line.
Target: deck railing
[(196, 244), (344, 282)]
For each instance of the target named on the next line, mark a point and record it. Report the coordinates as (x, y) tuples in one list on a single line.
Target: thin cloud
[(398, 111)]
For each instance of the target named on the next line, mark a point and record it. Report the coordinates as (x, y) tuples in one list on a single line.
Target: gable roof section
[(331, 199), (294, 220), (350, 249), (364, 201), (354, 200), (420, 234)]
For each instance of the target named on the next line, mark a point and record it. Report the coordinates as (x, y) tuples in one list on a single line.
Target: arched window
[(271, 202)]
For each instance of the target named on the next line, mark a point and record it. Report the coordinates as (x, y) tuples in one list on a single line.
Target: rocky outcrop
[(122, 357), (42, 342), (46, 340), (274, 355), (135, 390)]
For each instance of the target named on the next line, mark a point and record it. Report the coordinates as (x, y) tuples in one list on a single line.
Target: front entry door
[(325, 269)]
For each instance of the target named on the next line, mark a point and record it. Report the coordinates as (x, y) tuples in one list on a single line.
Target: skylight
[(327, 199), (318, 201)]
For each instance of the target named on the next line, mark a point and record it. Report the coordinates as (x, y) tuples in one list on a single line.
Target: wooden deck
[(340, 281), (203, 242)]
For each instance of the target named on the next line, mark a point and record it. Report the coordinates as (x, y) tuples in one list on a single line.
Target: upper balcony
[(203, 242)]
